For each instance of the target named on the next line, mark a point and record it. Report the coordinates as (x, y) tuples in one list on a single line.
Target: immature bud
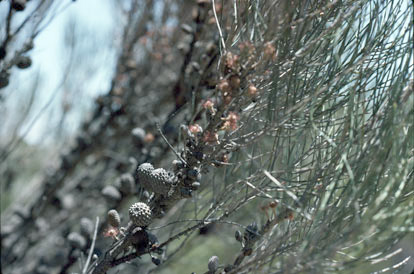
[(76, 240), (177, 164), (138, 136), (251, 232), (227, 99), (251, 90), (230, 121), (235, 81), (152, 239), (18, 5), (126, 183), (224, 86), (247, 251), (194, 174), (195, 129), (3, 53), (155, 260), (195, 185), (113, 218), (149, 138), (199, 155), (231, 61), (185, 131), (86, 227), (4, 79), (210, 137), (186, 192), (140, 214), (23, 62), (187, 28), (213, 264), (111, 194), (270, 51), (210, 48), (209, 105), (238, 236)]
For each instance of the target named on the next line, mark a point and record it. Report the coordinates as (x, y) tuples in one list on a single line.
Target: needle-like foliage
[(291, 121)]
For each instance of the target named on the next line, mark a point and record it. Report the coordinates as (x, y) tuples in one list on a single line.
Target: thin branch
[(84, 271), (218, 26)]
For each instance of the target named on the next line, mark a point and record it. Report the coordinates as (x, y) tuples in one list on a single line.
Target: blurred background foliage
[(321, 93)]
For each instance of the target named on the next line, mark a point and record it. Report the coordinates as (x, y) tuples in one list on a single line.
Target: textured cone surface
[(213, 263), (113, 218), (140, 214), (155, 180)]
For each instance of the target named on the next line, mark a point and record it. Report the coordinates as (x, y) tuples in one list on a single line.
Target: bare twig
[(218, 26), (88, 260)]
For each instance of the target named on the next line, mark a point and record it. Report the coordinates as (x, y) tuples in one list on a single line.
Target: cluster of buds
[(209, 106), (269, 51), (271, 205), (248, 238), (195, 129), (247, 49), (230, 122), (231, 62), (191, 133), (211, 138), (189, 176), (230, 84)]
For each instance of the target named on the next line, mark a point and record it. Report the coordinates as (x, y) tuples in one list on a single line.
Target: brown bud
[(235, 81), (223, 86), (270, 51), (251, 90), (227, 99), (149, 138)]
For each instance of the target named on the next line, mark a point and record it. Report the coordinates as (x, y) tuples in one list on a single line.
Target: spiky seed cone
[(144, 172), (155, 180), (113, 218), (140, 214)]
